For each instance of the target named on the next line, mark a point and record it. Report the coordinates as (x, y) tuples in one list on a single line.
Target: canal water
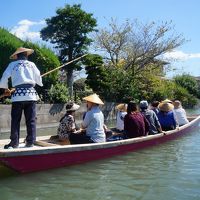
[(170, 171)]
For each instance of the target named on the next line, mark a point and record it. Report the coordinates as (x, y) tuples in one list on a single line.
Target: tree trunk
[(70, 81)]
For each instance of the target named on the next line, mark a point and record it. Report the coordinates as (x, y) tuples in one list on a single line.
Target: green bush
[(58, 93)]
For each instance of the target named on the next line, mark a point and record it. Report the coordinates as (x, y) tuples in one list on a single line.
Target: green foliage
[(7, 101), (8, 45), (58, 93), (170, 90), (79, 85), (189, 83), (96, 75), (68, 30), (119, 85)]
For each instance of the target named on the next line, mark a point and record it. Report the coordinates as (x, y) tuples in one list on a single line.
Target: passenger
[(121, 112), (67, 123), (154, 106), (135, 124), (24, 76), (151, 116), (166, 116), (180, 113), (93, 123)]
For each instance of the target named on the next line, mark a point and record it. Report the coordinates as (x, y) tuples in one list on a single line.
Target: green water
[(165, 172), (170, 171)]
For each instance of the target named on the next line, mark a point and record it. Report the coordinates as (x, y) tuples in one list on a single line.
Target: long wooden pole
[(46, 73), (65, 64)]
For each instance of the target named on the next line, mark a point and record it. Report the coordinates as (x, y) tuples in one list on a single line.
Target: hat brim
[(21, 50), (73, 108), (94, 98)]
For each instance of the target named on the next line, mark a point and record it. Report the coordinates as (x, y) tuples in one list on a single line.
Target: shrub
[(58, 93)]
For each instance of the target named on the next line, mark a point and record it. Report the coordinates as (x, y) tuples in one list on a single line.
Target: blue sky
[(26, 18)]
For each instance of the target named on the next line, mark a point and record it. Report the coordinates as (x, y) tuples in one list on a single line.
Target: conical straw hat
[(166, 107), (94, 98), (20, 50)]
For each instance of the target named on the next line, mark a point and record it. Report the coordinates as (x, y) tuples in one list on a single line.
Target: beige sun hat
[(72, 107), (94, 98), (21, 50), (165, 107), (122, 107)]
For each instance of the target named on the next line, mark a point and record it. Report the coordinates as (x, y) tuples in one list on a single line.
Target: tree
[(111, 84), (138, 45), (68, 31)]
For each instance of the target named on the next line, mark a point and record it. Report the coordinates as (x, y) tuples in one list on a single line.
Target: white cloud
[(180, 55), (23, 29)]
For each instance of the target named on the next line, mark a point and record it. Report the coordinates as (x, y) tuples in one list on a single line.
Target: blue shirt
[(94, 122), (167, 119)]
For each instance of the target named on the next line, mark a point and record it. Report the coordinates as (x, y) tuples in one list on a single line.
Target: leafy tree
[(111, 83), (68, 31), (139, 45)]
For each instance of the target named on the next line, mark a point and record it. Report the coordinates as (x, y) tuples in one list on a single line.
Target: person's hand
[(7, 93)]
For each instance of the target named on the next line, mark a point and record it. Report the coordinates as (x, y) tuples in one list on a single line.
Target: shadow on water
[(6, 172)]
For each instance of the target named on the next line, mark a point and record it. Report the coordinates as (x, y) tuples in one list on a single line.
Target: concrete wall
[(48, 115)]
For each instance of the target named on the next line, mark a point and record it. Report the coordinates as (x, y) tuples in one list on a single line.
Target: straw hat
[(21, 50), (72, 107), (94, 98), (177, 104), (167, 101), (165, 107), (122, 107)]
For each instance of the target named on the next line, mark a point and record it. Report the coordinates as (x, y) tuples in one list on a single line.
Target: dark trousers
[(81, 138), (29, 108)]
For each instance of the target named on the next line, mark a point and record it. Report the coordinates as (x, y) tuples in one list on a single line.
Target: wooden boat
[(46, 155)]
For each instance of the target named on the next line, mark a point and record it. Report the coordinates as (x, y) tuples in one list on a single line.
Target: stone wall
[(48, 115)]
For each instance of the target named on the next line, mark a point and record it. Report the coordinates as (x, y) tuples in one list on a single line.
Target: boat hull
[(25, 161)]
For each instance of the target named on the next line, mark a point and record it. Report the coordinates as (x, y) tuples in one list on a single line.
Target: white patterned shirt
[(22, 72)]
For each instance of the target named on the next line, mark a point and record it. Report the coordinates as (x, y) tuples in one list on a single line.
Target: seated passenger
[(93, 123), (166, 116), (67, 123), (135, 124), (121, 112), (154, 106), (151, 116), (180, 113)]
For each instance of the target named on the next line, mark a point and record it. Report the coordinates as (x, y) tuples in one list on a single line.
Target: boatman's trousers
[(29, 108)]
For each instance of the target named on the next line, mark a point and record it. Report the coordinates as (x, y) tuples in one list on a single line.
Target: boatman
[(24, 76)]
